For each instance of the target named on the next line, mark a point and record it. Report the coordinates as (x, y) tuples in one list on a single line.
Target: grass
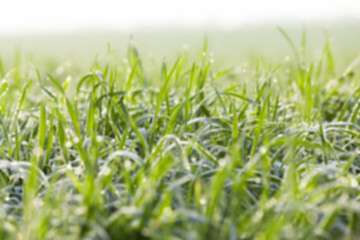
[(268, 151)]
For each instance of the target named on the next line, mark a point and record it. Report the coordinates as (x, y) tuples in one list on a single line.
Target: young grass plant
[(190, 153)]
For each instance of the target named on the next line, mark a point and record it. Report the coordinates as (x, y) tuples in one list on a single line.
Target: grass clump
[(267, 151)]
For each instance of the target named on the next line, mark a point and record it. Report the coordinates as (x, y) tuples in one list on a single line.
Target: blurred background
[(75, 32)]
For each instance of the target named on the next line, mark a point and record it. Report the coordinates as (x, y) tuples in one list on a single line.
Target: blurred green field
[(230, 47), (246, 134)]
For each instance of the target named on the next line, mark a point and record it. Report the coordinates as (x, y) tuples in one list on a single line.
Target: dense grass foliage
[(266, 150)]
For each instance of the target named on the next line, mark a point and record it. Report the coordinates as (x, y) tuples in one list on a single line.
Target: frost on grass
[(186, 151)]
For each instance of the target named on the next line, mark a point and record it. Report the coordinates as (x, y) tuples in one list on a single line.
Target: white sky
[(19, 16)]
